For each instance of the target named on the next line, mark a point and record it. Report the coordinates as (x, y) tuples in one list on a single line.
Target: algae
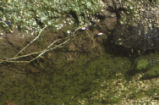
[(87, 79), (152, 72), (64, 83), (78, 76), (31, 16), (142, 64), (148, 64)]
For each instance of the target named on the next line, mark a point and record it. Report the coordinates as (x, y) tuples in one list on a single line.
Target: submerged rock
[(136, 37), (138, 25)]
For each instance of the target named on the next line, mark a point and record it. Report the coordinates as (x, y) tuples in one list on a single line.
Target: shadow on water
[(133, 55)]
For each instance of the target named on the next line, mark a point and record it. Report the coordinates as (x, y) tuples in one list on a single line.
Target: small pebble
[(102, 10), (68, 31), (100, 34), (83, 28), (1, 34)]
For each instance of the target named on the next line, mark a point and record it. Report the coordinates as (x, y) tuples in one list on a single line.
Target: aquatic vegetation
[(137, 26), (64, 81), (142, 64), (30, 16), (148, 65), (152, 72), (59, 78)]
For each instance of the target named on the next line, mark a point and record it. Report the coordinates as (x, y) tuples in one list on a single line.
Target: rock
[(136, 37), (138, 26)]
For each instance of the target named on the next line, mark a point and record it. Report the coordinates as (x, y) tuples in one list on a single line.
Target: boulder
[(138, 25)]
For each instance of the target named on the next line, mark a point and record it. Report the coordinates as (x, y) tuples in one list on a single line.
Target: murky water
[(79, 74), (58, 83)]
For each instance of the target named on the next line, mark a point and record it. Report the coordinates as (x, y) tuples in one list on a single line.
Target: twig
[(50, 47), (30, 54), (40, 53), (31, 41), (45, 50)]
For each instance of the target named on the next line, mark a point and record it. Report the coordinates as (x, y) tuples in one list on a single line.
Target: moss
[(142, 64), (112, 100), (64, 81), (148, 65), (30, 16), (137, 95), (152, 91), (135, 12), (153, 72)]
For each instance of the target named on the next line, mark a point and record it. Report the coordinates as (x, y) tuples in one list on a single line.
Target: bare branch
[(37, 37), (59, 43)]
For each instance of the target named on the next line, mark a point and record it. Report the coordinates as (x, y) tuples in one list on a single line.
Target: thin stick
[(31, 41), (50, 47)]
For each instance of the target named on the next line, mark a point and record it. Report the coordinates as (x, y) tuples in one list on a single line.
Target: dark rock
[(138, 25), (136, 37)]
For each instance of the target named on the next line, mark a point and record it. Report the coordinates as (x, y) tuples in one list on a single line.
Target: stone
[(138, 27)]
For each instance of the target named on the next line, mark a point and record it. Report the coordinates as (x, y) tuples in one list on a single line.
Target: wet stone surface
[(137, 24), (136, 37)]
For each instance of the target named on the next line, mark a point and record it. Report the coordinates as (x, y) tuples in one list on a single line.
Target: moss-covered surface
[(30, 16), (136, 11), (148, 64), (137, 26), (81, 73), (142, 64), (63, 83), (85, 80)]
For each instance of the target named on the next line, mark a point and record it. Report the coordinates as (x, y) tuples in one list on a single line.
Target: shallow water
[(85, 74), (59, 82)]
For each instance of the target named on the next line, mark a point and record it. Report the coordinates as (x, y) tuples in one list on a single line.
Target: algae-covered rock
[(138, 25), (31, 15), (142, 64), (152, 72), (148, 65)]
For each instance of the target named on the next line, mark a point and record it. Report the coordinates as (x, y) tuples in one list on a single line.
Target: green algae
[(137, 95), (55, 80), (30, 16), (142, 64), (152, 72), (148, 64), (76, 82), (64, 83)]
